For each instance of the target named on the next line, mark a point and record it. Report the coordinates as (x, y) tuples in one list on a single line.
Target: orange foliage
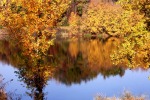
[(31, 22)]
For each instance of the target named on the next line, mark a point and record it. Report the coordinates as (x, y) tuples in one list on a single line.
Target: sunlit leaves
[(135, 48), (110, 19), (32, 22), (74, 22), (141, 6)]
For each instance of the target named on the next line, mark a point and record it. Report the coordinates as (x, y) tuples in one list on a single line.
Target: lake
[(78, 69)]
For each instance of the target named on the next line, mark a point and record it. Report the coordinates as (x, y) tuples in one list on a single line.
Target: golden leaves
[(29, 22), (135, 48), (112, 20), (102, 18)]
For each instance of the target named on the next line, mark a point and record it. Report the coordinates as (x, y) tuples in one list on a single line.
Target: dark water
[(80, 69)]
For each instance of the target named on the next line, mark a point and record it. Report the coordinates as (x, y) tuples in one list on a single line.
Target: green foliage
[(1, 26), (80, 10), (79, 6), (63, 21), (87, 35)]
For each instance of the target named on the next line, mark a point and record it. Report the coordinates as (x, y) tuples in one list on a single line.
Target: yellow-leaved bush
[(110, 19), (135, 49), (141, 6)]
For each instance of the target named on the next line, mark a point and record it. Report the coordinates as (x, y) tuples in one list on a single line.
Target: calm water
[(80, 70)]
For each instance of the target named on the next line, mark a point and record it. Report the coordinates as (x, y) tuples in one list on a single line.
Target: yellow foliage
[(31, 22), (135, 48), (74, 22), (32, 15), (110, 19), (141, 6)]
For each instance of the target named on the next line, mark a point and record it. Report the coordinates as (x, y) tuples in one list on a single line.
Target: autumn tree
[(31, 22)]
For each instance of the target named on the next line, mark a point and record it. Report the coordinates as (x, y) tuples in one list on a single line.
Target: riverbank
[(63, 32), (66, 32)]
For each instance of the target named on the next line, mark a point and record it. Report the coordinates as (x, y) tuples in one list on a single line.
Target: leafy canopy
[(111, 19), (31, 22)]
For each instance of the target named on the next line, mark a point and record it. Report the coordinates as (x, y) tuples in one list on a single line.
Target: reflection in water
[(36, 78), (35, 73), (73, 61), (80, 60)]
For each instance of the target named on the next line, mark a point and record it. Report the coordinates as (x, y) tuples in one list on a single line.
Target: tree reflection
[(70, 61), (34, 72), (36, 78), (82, 60)]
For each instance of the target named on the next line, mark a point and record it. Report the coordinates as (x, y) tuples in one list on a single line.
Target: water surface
[(80, 69)]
